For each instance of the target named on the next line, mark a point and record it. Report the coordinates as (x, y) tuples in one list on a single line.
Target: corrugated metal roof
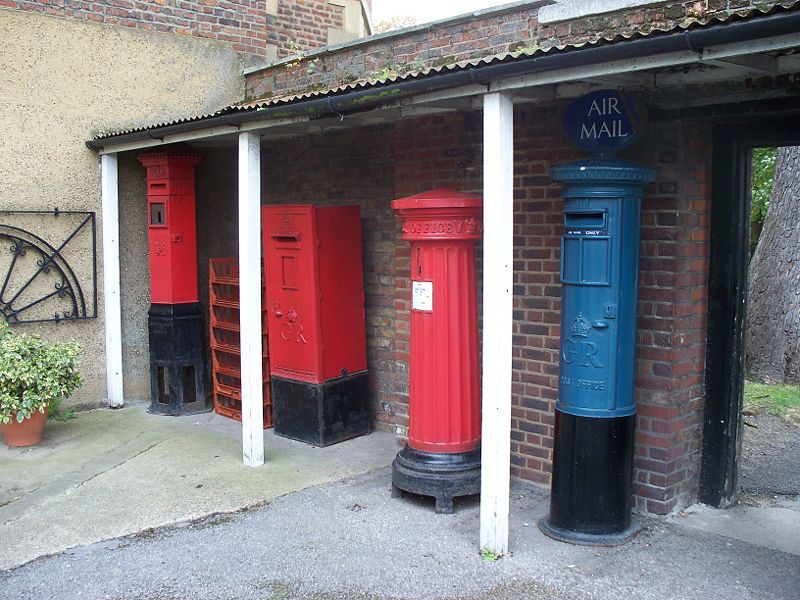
[(475, 63)]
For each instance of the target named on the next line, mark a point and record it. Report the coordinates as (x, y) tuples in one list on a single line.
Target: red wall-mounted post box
[(442, 457), (178, 374), (315, 316), (172, 227)]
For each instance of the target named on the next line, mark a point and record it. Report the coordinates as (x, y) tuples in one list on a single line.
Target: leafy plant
[(312, 66), (763, 175), (763, 164), (296, 53), (385, 74), (488, 555), (415, 65), (35, 374)]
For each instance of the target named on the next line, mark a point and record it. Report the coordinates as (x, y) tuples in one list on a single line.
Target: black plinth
[(322, 414), (178, 379), (443, 476), (590, 501)]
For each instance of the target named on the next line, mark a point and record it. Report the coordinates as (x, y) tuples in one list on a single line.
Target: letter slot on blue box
[(595, 412)]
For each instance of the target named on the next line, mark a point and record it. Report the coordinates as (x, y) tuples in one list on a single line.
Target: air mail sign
[(603, 121)]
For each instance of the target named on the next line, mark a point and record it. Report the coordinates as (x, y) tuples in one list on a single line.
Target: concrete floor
[(771, 523), (350, 540), (111, 473), (767, 513), (127, 504)]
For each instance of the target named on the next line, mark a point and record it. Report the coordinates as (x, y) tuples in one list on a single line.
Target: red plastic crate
[(224, 270), (228, 403), (223, 287), (229, 363)]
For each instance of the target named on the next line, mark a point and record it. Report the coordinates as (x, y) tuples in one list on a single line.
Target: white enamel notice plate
[(422, 295)]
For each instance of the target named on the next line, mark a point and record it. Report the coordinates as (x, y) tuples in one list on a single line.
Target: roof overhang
[(658, 63)]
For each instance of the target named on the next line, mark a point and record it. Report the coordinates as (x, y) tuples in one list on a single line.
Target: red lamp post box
[(178, 382), (317, 332), (442, 456)]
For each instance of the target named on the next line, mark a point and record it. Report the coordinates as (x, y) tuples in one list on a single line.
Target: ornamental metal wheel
[(37, 282)]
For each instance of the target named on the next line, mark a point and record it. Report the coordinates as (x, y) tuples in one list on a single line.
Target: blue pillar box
[(595, 412)]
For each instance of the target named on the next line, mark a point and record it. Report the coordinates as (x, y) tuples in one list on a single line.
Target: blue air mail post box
[(595, 413)]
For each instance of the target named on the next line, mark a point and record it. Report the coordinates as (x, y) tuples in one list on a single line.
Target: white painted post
[(112, 308), (498, 280), (250, 298)]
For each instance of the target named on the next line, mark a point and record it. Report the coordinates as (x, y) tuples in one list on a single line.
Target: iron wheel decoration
[(39, 283)]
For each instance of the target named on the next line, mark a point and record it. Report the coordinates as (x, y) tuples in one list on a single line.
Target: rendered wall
[(60, 81), (216, 182)]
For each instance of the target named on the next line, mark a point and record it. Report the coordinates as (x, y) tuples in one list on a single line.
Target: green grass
[(780, 400)]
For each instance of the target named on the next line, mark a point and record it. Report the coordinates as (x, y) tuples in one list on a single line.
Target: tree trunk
[(772, 340)]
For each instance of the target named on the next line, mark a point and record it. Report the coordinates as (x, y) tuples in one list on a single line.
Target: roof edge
[(695, 40)]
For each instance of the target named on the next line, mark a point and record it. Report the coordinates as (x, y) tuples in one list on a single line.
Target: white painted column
[(112, 307), (250, 298), (498, 280)]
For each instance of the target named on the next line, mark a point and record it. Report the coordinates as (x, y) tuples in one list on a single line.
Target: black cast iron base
[(179, 382), (443, 476), (589, 539), (322, 414), (591, 495)]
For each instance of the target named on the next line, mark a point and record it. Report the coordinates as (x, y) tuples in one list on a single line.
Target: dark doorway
[(729, 257)]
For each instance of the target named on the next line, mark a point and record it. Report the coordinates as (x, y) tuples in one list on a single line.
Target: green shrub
[(34, 374)]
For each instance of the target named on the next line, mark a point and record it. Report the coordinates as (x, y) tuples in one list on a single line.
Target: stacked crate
[(223, 284)]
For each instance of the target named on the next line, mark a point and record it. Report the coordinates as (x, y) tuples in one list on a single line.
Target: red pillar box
[(442, 456), (178, 381)]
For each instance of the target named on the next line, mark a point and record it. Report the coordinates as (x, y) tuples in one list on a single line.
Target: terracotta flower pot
[(27, 433)]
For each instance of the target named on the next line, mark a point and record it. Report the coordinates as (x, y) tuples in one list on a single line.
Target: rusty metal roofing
[(467, 64)]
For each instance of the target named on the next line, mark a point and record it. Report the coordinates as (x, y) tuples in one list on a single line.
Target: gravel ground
[(350, 539), (770, 457)]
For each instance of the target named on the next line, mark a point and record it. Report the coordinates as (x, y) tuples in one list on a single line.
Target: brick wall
[(507, 30), (371, 166), (301, 26), (539, 143), (353, 167), (390, 55), (673, 304), (671, 312), (253, 27)]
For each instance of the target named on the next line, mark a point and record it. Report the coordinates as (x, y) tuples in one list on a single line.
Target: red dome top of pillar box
[(440, 214)]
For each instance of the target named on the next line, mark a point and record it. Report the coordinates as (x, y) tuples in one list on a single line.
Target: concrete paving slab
[(111, 473), (772, 524)]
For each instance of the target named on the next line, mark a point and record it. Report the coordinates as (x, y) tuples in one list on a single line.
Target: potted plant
[(34, 376)]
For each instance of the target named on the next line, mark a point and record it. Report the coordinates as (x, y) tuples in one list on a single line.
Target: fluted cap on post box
[(440, 214)]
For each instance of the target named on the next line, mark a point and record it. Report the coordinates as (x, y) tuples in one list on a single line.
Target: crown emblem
[(472, 226), (579, 327)]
